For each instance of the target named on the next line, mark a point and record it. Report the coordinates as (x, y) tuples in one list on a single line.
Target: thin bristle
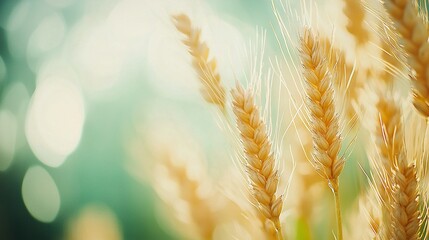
[(374, 223), (369, 210), (414, 32), (390, 62), (260, 160), (212, 89)]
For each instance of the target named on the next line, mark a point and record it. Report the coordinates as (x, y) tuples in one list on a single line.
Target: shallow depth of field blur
[(77, 80), (82, 81)]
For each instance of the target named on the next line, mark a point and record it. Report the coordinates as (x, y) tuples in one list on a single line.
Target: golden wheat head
[(355, 12), (405, 214), (413, 30), (320, 104), (260, 160), (212, 89), (400, 192)]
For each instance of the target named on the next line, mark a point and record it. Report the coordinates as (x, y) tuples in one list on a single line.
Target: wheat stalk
[(323, 118), (355, 12), (413, 29), (260, 160), (212, 89)]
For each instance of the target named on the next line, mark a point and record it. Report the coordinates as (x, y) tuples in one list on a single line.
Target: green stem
[(335, 190)]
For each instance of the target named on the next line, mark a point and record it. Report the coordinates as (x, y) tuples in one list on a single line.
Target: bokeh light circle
[(40, 194), (55, 120), (18, 16), (48, 35), (8, 131)]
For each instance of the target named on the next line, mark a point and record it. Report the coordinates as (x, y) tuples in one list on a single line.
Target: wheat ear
[(200, 209), (402, 198), (323, 118), (212, 89), (389, 139), (348, 79), (405, 214), (355, 13), (369, 210), (389, 133), (413, 29), (260, 160)]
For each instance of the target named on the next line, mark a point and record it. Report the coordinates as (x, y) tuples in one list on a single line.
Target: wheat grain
[(260, 160), (323, 118), (413, 29), (212, 89)]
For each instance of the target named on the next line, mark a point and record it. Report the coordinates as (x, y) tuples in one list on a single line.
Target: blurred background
[(89, 88), (77, 80)]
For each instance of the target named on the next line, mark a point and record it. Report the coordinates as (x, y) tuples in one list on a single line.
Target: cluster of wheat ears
[(338, 94)]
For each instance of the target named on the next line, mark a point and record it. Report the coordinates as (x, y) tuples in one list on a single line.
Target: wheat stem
[(335, 190)]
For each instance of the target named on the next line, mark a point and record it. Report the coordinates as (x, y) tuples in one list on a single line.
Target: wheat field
[(214, 119), (349, 79)]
